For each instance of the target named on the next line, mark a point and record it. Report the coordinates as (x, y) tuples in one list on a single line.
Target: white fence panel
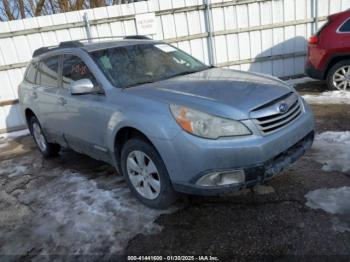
[(267, 36)]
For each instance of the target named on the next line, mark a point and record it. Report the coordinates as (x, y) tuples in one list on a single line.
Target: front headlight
[(205, 125)]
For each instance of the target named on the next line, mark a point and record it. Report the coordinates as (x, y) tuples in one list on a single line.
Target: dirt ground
[(74, 205)]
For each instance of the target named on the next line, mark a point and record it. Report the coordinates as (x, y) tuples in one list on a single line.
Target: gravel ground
[(74, 205)]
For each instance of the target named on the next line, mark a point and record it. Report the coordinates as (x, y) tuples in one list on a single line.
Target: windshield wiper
[(181, 74), (168, 77), (140, 83)]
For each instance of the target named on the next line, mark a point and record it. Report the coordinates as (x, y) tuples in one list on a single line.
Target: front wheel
[(338, 77), (146, 174), (47, 149)]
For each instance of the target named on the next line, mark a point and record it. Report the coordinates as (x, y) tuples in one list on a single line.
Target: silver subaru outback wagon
[(169, 123)]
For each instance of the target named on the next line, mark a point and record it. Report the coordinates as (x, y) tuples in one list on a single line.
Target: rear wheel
[(338, 77), (47, 149), (146, 174)]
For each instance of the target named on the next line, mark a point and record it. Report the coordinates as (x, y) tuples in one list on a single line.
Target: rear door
[(83, 117), (47, 96)]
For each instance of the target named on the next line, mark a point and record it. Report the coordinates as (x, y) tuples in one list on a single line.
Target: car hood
[(217, 90)]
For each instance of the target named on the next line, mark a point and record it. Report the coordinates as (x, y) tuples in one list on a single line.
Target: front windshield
[(144, 63)]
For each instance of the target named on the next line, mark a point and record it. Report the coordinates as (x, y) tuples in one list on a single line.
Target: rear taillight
[(313, 40)]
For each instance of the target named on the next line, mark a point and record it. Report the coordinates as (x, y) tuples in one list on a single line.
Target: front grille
[(274, 120)]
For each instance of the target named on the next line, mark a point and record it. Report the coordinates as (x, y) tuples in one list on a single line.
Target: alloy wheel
[(143, 174), (39, 137), (341, 78)]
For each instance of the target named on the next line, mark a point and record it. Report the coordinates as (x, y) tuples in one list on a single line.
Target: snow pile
[(332, 149), (333, 201), (329, 97)]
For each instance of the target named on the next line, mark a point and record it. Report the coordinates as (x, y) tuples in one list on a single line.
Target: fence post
[(314, 15), (209, 29), (87, 26)]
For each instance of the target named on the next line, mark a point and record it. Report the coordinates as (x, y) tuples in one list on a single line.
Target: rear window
[(345, 28)]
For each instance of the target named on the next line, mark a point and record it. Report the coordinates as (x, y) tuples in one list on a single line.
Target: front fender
[(155, 121)]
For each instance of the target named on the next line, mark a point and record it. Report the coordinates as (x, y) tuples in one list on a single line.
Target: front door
[(83, 117)]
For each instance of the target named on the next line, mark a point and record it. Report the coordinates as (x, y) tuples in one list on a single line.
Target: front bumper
[(257, 174)]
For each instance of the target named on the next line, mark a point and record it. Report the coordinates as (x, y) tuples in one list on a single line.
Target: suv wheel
[(47, 149), (339, 76), (146, 174)]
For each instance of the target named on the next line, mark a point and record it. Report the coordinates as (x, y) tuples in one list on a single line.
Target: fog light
[(222, 178)]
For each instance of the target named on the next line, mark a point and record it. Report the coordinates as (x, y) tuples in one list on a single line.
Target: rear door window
[(75, 69), (48, 72), (345, 28)]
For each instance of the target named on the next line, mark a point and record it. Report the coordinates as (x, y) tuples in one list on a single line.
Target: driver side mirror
[(83, 86)]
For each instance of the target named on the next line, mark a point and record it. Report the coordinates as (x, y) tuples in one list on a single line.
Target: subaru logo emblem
[(283, 108)]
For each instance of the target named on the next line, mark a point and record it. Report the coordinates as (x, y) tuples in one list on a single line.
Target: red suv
[(329, 52)]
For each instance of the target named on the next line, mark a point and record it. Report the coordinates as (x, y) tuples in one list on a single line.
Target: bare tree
[(64, 6), (7, 9), (19, 9), (79, 4), (39, 7), (97, 3)]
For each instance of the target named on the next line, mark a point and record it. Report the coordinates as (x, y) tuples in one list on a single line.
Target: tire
[(142, 178), (336, 72), (46, 149)]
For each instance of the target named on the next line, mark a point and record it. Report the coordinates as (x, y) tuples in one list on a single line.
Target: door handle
[(62, 101)]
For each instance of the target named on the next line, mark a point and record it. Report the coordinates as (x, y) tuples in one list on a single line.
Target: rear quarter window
[(31, 73), (48, 74), (345, 27)]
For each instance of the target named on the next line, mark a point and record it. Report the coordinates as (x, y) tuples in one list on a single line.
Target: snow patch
[(13, 168), (13, 135), (4, 145), (329, 97), (301, 80), (334, 201), (340, 226), (75, 214), (82, 218), (332, 150), (18, 171)]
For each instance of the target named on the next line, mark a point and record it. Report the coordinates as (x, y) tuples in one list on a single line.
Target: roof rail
[(78, 43), (67, 44), (40, 51), (138, 37)]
